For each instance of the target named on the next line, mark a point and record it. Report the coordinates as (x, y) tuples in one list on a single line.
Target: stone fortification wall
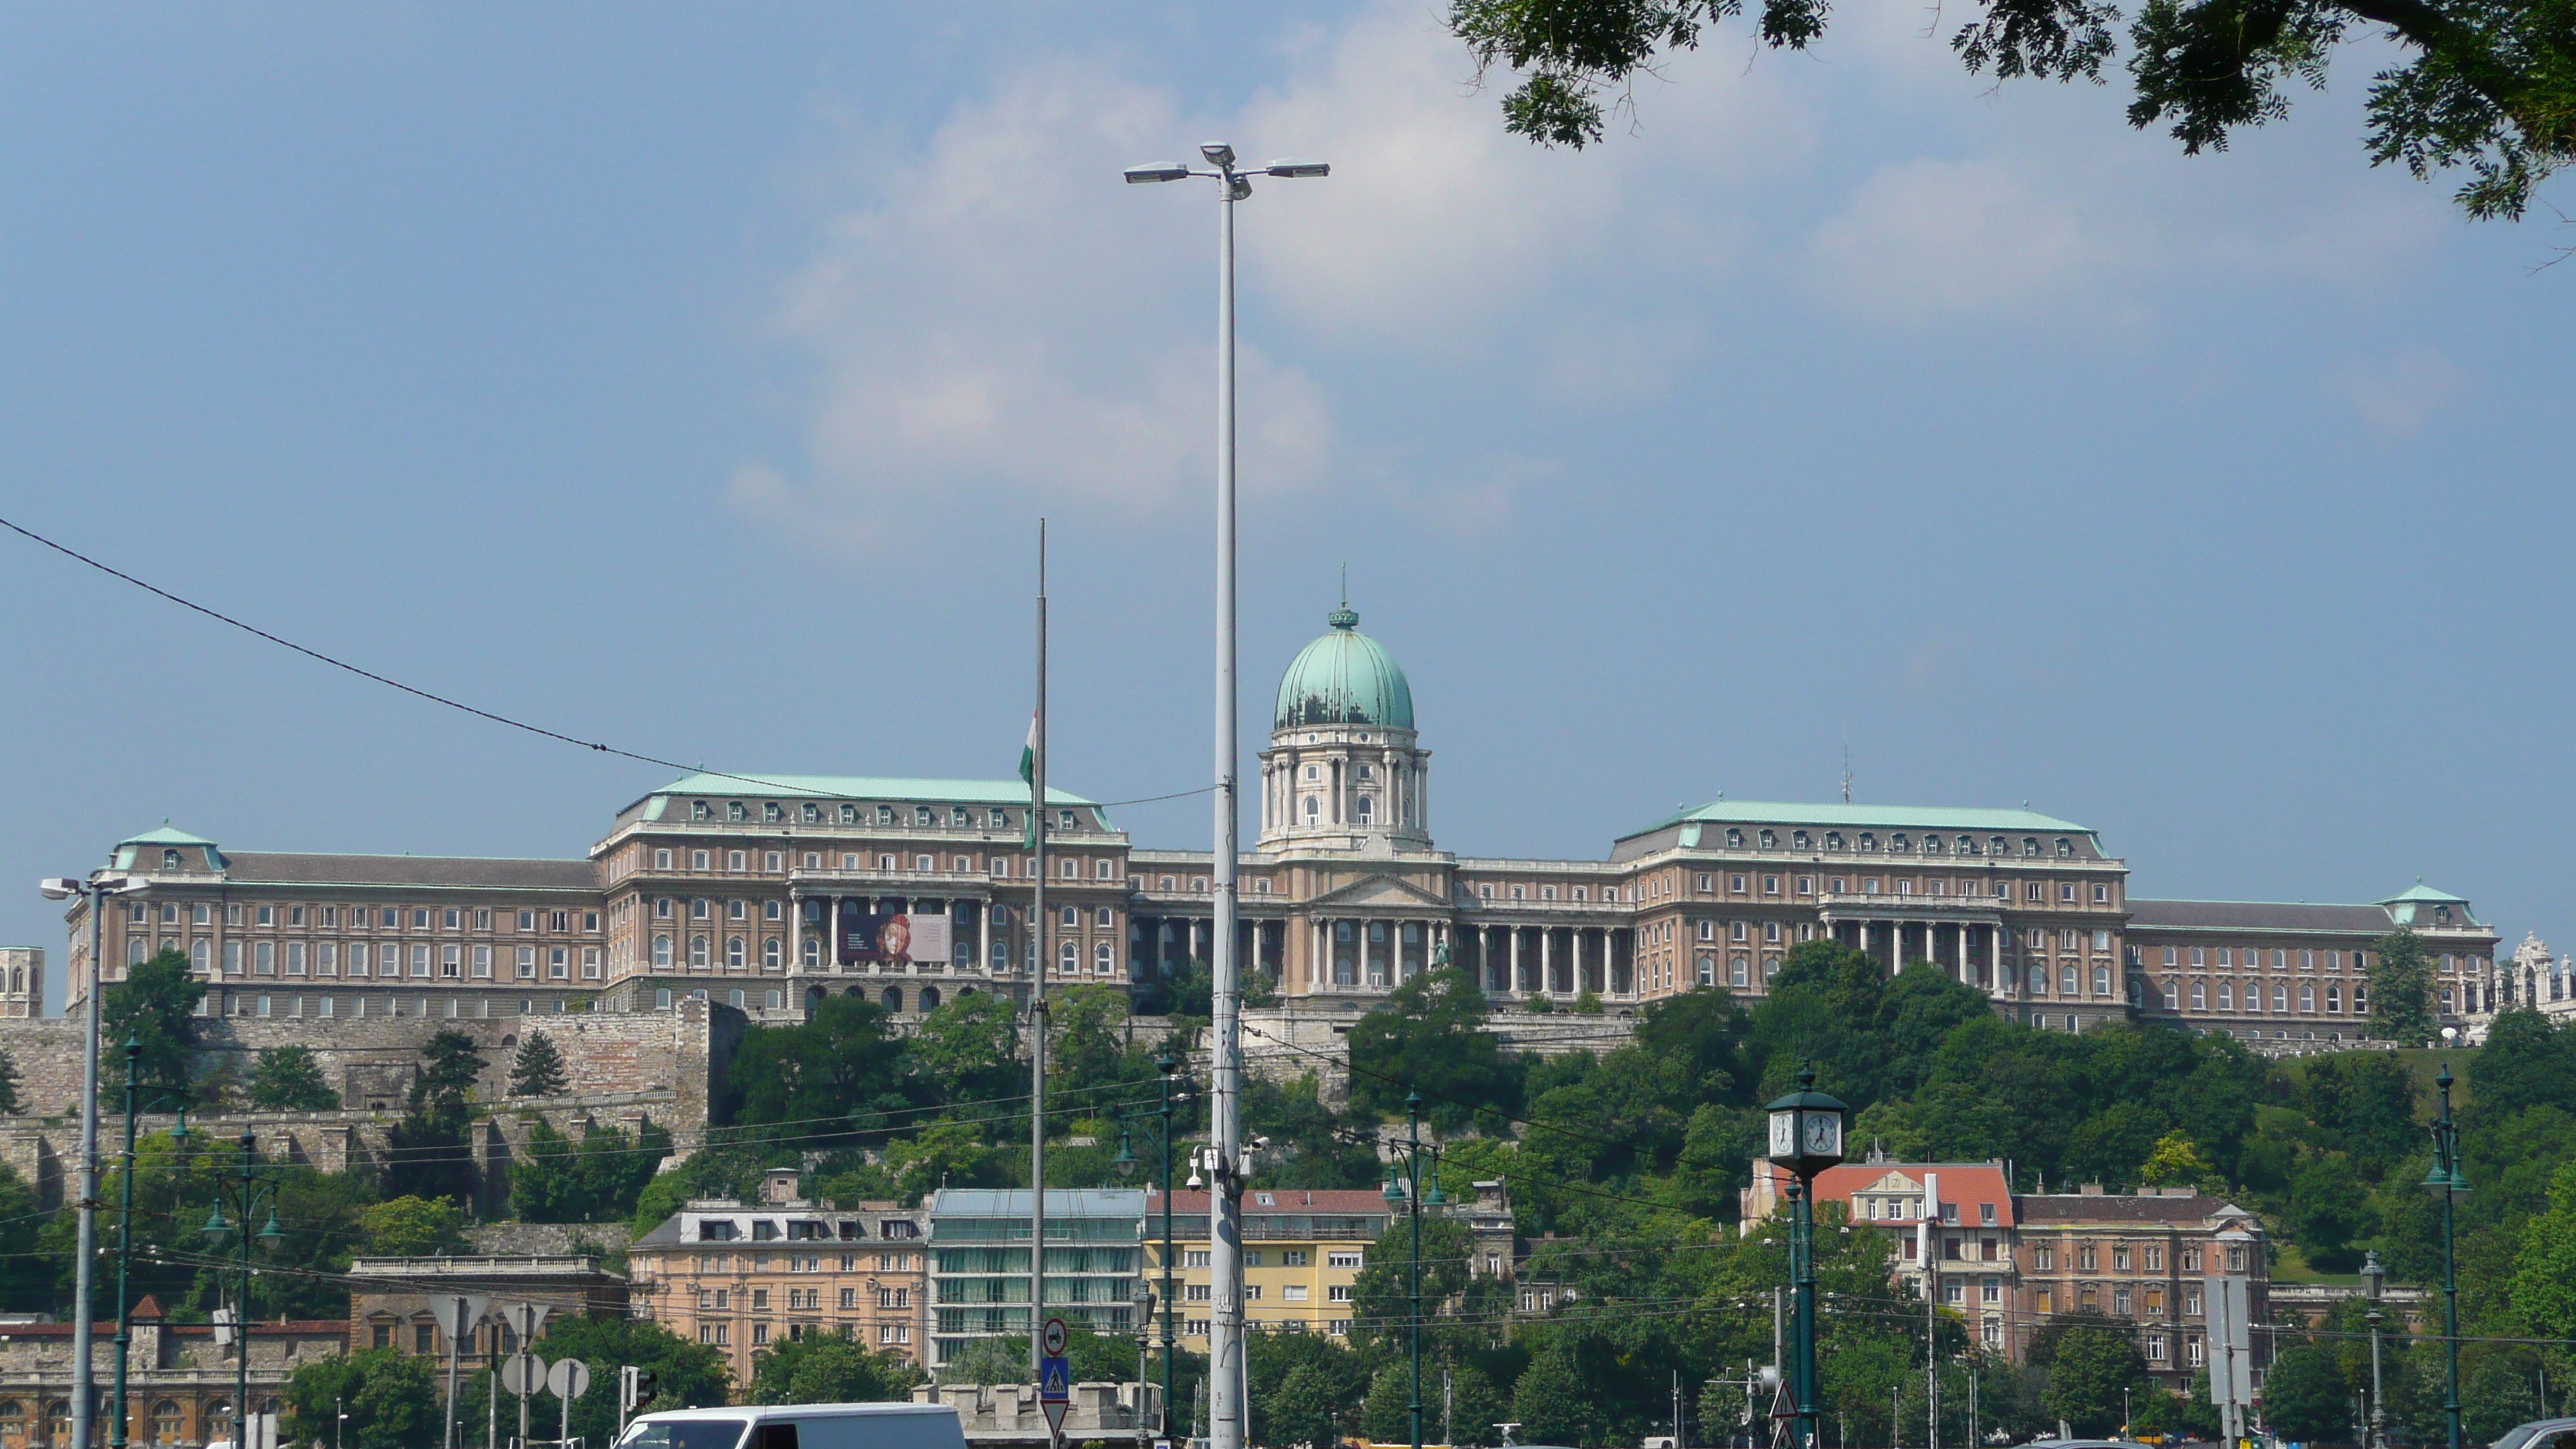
[(371, 1062)]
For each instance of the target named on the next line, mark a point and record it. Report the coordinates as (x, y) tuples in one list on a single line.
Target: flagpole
[(1037, 986)]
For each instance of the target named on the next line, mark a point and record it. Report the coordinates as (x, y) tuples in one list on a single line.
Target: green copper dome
[(1344, 678)]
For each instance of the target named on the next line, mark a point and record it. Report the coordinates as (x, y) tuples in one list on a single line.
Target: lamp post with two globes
[(92, 892), (249, 1195), (1227, 1385)]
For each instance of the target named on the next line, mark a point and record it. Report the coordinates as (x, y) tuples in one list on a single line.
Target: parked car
[(799, 1426), (2540, 1434)]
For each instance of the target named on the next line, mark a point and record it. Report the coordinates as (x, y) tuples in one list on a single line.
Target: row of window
[(530, 921), (327, 1007), (925, 817), (362, 959), (774, 862), (1899, 843), (724, 1300), (720, 1335), (2227, 997)]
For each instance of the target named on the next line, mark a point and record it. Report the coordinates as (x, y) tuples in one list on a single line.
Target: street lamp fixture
[(2447, 1179), (1806, 1138), (117, 1430), (94, 890), (1227, 1383), (248, 1196), (2374, 1283)]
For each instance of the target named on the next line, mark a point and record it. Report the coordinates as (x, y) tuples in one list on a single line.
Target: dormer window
[(1868, 841), (959, 816), (1931, 845), (812, 814), (922, 817), (701, 810), (2065, 847), (737, 812), (1799, 840), (1065, 820), (1996, 846), (1833, 840), (2029, 845), (885, 815), (1967, 845), (1896, 843), (773, 813), (2441, 915), (1734, 838), (1770, 841), (169, 860)]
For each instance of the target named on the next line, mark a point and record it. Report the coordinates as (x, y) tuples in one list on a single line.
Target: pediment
[(1384, 892)]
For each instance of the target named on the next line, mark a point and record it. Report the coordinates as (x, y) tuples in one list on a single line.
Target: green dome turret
[(1344, 678)]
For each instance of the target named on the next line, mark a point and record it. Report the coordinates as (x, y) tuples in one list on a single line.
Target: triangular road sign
[(1055, 1409)]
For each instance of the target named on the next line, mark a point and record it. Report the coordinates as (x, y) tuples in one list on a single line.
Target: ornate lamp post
[(2447, 1179), (1168, 1065), (1806, 1138), (1412, 1196), (248, 1196), (2374, 1282), (125, 1225)]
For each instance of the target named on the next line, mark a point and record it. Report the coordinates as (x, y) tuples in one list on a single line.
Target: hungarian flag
[(1029, 775)]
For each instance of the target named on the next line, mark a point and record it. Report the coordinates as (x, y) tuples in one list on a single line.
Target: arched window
[(1364, 809), (2039, 981), (2199, 996), (2334, 999), (893, 999), (166, 1420), (1104, 959), (2280, 1000), (930, 998), (813, 951), (735, 950), (2226, 996), (2307, 998), (698, 948), (1068, 958), (201, 957), (662, 950), (13, 1420), (773, 952)]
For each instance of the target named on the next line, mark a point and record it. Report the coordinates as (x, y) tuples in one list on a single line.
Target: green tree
[(842, 1062), (2528, 1061), (451, 1064), (1306, 1410), (2328, 1210), (988, 1361), (155, 1006), (2544, 1271), (2089, 1369), (2363, 1104), (412, 1227), (2401, 989), (688, 1375), (2176, 1162), (289, 1079), (2305, 1397), (538, 1068), (826, 1368), (1310, 1147), (1474, 1406), (1387, 1416), (1551, 1400), (391, 1397), (2489, 87), (1382, 1295), (428, 1155), (1431, 1035), (969, 1048), (9, 1079), (595, 1180), (26, 1280)]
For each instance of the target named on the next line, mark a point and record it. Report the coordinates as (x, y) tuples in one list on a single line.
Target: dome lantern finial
[(1343, 617)]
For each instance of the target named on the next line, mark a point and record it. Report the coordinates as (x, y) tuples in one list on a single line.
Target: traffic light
[(635, 1388)]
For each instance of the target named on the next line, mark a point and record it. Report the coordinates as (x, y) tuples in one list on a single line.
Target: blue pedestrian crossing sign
[(1055, 1378)]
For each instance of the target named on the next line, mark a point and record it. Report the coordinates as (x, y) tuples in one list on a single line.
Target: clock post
[(1806, 1138)]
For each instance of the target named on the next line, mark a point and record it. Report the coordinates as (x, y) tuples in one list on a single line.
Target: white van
[(799, 1426)]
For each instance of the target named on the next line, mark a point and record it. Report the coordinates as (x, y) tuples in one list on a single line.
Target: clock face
[(1784, 1134), (1821, 1134)]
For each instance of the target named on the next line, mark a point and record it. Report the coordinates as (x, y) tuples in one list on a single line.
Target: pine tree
[(538, 1070), (9, 1103), (2401, 989)]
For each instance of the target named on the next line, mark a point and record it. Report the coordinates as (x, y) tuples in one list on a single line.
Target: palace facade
[(768, 892)]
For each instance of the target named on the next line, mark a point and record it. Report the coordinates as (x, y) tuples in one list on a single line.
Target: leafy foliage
[(289, 1079), (2489, 85), (1430, 1037), (826, 1368), (538, 1068), (2401, 989), (595, 1180), (9, 1079), (392, 1399), (412, 1227), (155, 1007)]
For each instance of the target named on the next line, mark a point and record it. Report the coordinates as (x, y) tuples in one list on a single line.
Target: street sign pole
[(1055, 1379)]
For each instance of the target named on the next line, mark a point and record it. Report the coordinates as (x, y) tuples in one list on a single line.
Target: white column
[(795, 934), (1547, 959), (1517, 986), (1995, 959), (984, 935), (1484, 958), (1577, 933)]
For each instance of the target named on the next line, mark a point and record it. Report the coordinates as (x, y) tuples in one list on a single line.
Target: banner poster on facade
[(894, 938)]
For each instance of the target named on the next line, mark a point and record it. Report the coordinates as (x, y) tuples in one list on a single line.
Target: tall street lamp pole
[(248, 1196), (93, 893), (1167, 1064), (2447, 1179), (1226, 1383), (1416, 1199), (125, 1228), (1806, 1138), (2374, 1282)]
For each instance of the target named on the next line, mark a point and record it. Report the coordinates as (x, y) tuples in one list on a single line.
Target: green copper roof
[(165, 836), (1839, 813), (1344, 678), (2422, 892), (755, 785)]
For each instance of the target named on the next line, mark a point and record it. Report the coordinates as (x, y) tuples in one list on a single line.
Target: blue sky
[(692, 379)]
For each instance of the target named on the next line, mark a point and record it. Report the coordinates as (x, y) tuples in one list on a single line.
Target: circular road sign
[(569, 1378), (1056, 1338), (523, 1373)]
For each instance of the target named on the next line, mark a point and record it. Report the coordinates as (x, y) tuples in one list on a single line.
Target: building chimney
[(779, 1186), (2090, 1189)]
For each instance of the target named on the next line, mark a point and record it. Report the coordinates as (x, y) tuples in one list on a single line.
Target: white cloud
[(1925, 239), (2395, 397)]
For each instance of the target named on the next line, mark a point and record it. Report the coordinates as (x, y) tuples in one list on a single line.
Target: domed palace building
[(766, 892)]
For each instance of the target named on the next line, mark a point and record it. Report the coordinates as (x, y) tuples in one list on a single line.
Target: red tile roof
[(1964, 1185)]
